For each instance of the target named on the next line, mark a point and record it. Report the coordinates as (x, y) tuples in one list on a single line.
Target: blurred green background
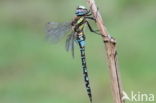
[(33, 70)]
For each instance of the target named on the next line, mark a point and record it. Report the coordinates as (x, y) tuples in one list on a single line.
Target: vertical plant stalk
[(110, 46)]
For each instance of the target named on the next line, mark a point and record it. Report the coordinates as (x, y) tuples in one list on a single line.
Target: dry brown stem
[(110, 46)]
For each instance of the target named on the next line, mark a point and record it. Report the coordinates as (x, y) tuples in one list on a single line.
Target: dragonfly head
[(81, 11)]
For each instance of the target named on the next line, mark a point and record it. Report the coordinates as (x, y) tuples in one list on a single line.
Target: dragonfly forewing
[(56, 31)]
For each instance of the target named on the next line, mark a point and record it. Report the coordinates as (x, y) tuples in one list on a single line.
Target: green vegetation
[(33, 70)]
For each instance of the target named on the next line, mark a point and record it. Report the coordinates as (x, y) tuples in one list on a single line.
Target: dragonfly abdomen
[(81, 42)]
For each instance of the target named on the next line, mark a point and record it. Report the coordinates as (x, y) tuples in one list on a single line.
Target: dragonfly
[(74, 33)]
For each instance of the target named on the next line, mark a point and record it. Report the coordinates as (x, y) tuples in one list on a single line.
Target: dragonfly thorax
[(80, 23)]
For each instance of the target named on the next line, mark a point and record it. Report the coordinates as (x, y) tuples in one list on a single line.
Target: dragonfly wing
[(56, 31), (70, 43)]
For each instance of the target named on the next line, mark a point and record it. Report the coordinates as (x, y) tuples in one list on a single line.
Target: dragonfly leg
[(91, 29)]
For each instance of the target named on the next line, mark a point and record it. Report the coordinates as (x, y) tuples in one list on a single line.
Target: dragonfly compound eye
[(81, 10)]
